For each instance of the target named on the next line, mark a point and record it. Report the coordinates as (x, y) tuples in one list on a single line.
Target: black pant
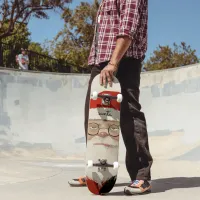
[(132, 120)]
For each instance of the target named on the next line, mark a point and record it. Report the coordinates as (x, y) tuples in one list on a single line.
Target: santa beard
[(108, 151)]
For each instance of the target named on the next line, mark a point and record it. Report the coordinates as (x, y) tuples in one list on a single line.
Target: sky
[(169, 21)]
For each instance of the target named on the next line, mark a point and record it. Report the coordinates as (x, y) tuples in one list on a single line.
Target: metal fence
[(37, 62)]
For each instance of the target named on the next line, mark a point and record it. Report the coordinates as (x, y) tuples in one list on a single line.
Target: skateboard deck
[(103, 136)]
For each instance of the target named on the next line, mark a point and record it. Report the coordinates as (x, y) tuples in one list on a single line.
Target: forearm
[(122, 45)]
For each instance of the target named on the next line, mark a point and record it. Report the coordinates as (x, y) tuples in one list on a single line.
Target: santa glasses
[(112, 130)]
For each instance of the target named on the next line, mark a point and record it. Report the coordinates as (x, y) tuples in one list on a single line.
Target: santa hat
[(105, 112)]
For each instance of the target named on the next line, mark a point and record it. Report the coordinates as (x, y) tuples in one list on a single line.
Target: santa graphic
[(103, 123)]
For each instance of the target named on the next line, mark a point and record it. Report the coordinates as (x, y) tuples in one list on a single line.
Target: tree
[(165, 57), (74, 41), (19, 12), (36, 47), (20, 39)]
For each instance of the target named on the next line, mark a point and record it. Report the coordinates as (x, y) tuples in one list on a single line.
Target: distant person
[(23, 60)]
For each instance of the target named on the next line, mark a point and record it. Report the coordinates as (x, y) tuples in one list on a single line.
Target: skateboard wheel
[(90, 163), (94, 95), (119, 98), (115, 165)]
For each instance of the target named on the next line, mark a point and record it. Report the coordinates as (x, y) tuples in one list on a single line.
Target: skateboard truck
[(102, 163), (106, 98)]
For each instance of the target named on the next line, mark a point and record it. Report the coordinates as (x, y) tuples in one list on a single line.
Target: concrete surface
[(42, 144)]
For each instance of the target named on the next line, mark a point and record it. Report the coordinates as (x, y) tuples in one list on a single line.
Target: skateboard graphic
[(103, 137)]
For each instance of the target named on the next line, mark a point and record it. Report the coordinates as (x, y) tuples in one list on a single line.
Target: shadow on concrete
[(121, 184), (162, 185)]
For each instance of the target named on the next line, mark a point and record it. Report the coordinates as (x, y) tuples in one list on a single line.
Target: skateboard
[(103, 136)]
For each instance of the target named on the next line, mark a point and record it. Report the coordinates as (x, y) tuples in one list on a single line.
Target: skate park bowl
[(42, 143)]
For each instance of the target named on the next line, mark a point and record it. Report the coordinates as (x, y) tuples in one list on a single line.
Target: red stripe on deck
[(98, 103)]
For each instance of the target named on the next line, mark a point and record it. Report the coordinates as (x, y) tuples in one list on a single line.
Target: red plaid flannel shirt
[(119, 18)]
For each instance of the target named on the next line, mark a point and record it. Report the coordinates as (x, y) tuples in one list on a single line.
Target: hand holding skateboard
[(107, 74)]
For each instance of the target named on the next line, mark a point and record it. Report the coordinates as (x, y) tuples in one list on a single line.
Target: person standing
[(118, 48), (23, 59)]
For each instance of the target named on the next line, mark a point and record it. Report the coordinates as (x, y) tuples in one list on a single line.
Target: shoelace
[(135, 182)]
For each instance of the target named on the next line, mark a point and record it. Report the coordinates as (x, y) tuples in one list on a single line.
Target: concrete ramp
[(170, 100), (42, 111), (42, 114)]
